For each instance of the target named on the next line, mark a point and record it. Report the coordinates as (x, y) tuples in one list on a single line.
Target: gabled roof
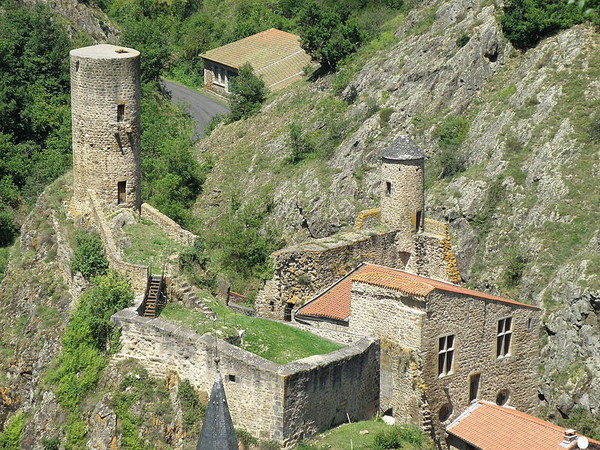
[(492, 427), (274, 55), (403, 149), (217, 429), (335, 302)]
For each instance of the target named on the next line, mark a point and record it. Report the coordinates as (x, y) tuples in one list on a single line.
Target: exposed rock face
[(523, 211), (81, 16)]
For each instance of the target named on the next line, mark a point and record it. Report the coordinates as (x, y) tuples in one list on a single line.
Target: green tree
[(325, 36), (89, 257), (248, 93)]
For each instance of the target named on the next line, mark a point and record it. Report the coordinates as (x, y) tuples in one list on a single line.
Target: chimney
[(569, 437)]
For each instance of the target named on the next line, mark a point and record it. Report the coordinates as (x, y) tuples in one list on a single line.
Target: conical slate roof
[(217, 430), (403, 149)]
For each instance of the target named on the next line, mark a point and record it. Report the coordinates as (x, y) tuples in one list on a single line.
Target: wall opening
[(120, 113), (272, 306), (474, 387), (388, 188), (287, 313), (232, 378), (445, 412), (502, 397), (121, 192), (418, 221)]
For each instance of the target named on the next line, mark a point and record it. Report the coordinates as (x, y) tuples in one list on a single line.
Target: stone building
[(275, 56), (396, 234), (105, 100), (491, 427), (443, 346)]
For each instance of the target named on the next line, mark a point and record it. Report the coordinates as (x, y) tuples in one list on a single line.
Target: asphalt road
[(200, 107)]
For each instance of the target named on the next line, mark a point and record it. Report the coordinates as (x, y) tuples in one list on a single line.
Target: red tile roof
[(335, 302), (492, 427), (275, 55)]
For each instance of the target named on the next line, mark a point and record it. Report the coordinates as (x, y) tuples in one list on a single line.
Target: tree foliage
[(526, 22), (88, 257), (248, 93), (326, 36)]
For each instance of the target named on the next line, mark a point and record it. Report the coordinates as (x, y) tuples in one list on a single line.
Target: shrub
[(193, 410), (248, 94), (462, 40), (526, 22), (384, 116), (88, 257), (10, 438), (405, 436), (300, 144), (214, 122)]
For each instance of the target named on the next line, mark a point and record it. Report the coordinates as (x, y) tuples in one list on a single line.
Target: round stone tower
[(402, 190), (105, 101)]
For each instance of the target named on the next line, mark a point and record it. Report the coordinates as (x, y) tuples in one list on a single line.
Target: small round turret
[(105, 100), (402, 191)]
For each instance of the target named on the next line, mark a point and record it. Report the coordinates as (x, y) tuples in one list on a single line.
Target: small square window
[(231, 378)]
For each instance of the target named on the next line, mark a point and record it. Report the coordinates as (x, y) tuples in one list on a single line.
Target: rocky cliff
[(512, 140)]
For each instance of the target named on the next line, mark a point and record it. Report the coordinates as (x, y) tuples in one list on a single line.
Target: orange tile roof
[(274, 54), (335, 302), (492, 427)]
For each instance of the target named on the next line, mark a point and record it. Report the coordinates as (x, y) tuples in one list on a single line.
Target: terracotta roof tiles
[(335, 302), (492, 427)]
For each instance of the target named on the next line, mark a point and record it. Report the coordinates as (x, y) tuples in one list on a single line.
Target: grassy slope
[(271, 340)]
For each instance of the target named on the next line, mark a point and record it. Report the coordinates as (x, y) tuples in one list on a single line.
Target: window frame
[(504, 337), (446, 350)]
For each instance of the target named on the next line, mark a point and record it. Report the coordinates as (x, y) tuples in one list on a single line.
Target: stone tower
[(402, 191), (105, 101)]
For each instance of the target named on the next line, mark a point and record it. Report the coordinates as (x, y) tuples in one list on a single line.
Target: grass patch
[(274, 341), (150, 246), (348, 436)]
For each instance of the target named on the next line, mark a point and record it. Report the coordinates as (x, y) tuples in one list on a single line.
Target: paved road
[(200, 107)]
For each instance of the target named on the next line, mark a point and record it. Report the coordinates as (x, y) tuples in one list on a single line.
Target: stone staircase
[(188, 297)]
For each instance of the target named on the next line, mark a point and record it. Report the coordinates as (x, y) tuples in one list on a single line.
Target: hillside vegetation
[(512, 143)]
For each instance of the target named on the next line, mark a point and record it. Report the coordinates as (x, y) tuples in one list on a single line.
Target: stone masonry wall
[(137, 274), (323, 391), (474, 323), (381, 312), (400, 206), (433, 258), (168, 225), (271, 402), (105, 99), (302, 271)]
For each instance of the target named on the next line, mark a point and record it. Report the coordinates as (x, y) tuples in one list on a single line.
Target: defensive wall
[(304, 270), (168, 225), (282, 403)]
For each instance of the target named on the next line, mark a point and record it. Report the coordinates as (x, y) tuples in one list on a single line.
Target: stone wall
[(272, 402), (474, 323), (382, 312), (433, 257), (105, 100), (168, 225), (303, 271), (327, 330), (137, 274)]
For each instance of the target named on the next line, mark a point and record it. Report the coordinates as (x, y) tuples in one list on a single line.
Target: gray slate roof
[(217, 430), (403, 149)]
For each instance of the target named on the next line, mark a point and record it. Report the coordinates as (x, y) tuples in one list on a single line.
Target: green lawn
[(274, 341), (348, 436), (150, 246)]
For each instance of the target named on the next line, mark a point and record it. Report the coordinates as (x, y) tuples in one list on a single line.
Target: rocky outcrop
[(522, 207)]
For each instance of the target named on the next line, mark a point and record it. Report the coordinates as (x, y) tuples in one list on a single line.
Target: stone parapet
[(168, 225), (304, 270), (282, 403), (138, 275)]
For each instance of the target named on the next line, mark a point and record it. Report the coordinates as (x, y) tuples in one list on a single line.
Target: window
[(287, 313), (445, 355), (502, 397), (121, 196), (231, 378), (418, 220), (388, 188), (474, 387), (503, 339), (120, 113), (445, 412), (529, 324)]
